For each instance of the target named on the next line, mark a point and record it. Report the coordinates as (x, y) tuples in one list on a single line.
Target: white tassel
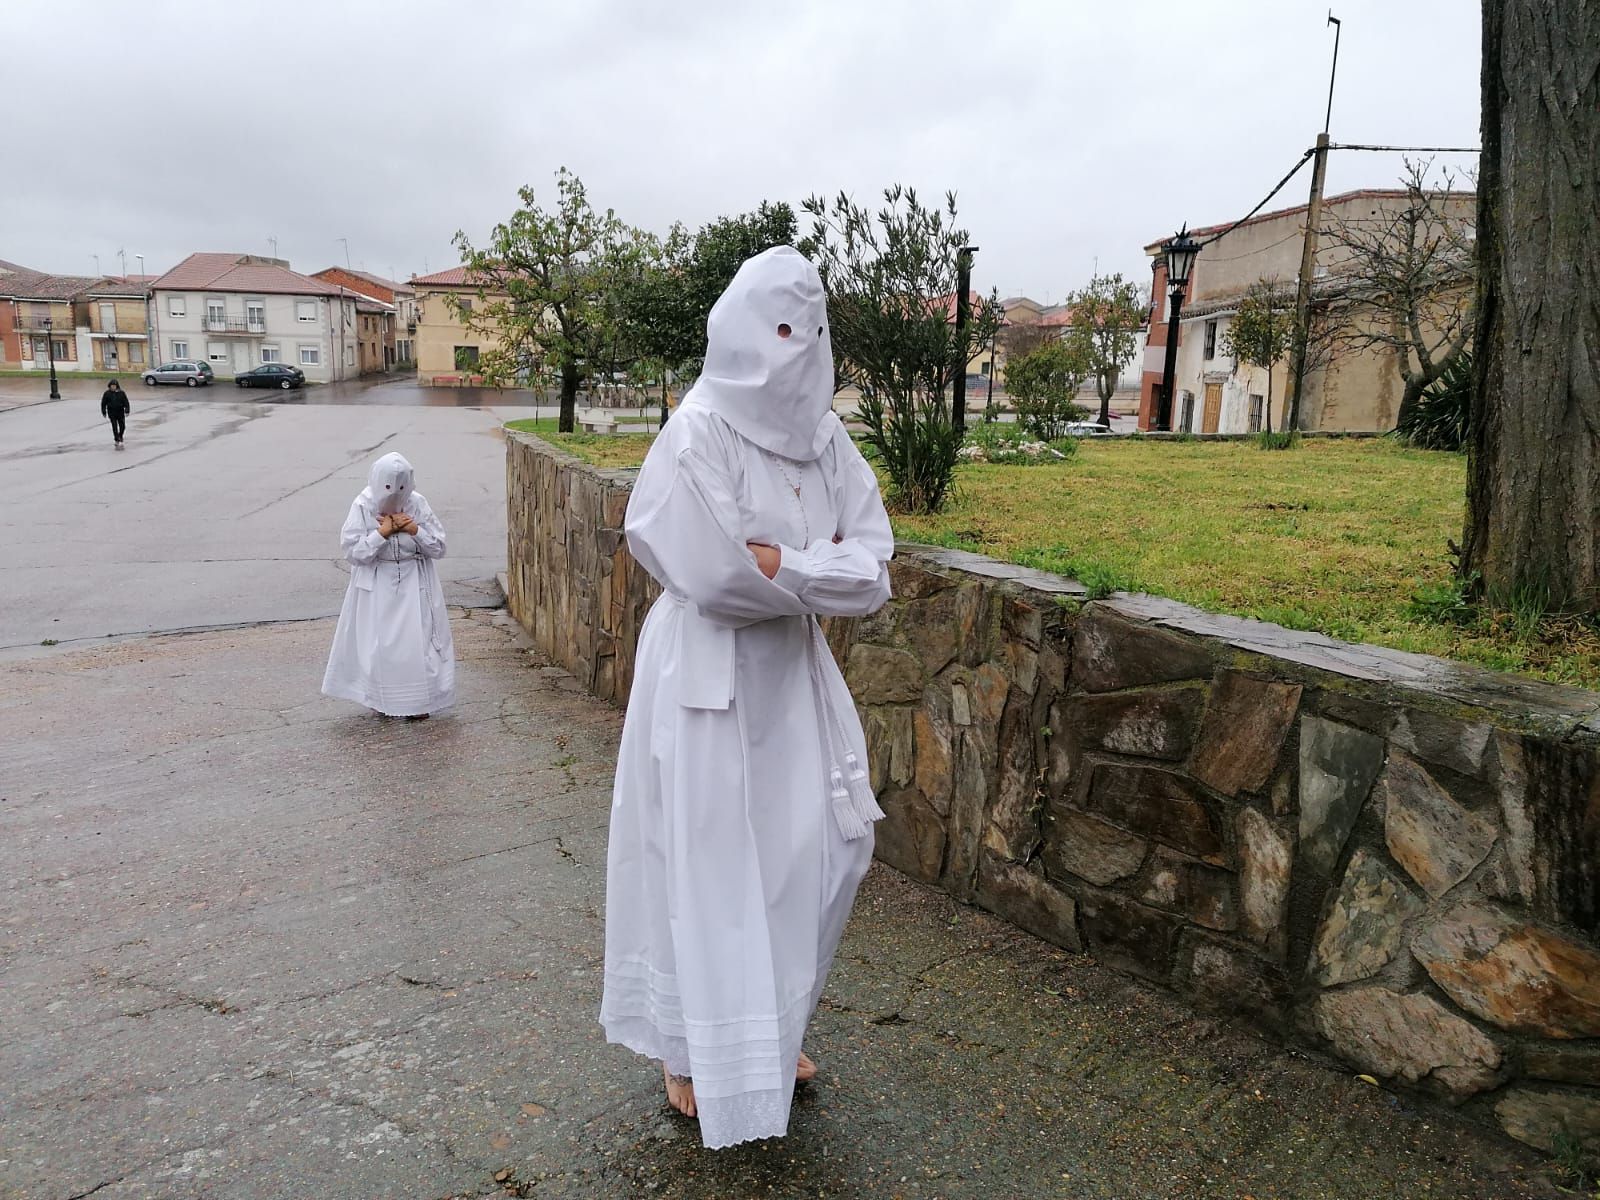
[(866, 803), (844, 810)]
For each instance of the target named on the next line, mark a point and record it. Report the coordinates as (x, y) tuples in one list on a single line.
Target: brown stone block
[(934, 776), (1563, 1063), (1246, 723), (1435, 839), (1410, 1037), (1022, 621), (1203, 894), (990, 688), (1157, 804), (878, 675), (1014, 816), (1153, 724), (1229, 981), (937, 627), (1029, 901), (1128, 935), (1111, 653), (911, 836), (968, 806), (1512, 973), (1078, 844), (1365, 927), (1552, 1120), (911, 581), (1266, 856)]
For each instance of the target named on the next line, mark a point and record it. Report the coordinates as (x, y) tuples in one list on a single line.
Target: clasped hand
[(392, 523)]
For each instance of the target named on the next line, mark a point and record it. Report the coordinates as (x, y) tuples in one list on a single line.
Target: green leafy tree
[(1262, 332), (891, 280), (1107, 316), (1044, 383), (550, 287), (667, 305)]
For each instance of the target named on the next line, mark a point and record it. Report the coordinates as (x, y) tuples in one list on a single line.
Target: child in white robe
[(741, 819), (392, 650)]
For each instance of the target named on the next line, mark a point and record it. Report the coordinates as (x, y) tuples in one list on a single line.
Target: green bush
[(1441, 419), (1043, 384), (916, 444)]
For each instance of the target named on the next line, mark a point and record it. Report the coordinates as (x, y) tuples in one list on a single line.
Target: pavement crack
[(354, 458)]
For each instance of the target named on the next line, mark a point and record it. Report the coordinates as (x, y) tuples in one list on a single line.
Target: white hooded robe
[(740, 824), (392, 650)]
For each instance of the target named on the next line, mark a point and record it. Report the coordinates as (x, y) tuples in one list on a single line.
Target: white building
[(237, 311)]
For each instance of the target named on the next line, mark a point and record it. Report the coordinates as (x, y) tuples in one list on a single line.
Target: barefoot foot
[(680, 1091), (806, 1070)]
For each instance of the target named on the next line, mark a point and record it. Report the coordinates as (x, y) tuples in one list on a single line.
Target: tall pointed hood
[(775, 390), (389, 484)]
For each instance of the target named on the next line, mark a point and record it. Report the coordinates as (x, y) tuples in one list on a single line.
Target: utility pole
[(963, 316), (1308, 251)]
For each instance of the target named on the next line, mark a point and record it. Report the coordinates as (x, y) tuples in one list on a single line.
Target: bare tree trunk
[(1108, 384), (1533, 481), (569, 398), (1268, 413)]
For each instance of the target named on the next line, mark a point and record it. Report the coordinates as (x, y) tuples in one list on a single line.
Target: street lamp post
[(963, 315), (1180, 253), (50, 344)]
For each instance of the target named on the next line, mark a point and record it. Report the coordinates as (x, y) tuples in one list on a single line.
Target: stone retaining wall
[(1391, 858)]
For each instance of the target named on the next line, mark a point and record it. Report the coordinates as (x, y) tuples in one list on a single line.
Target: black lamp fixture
[(1179, 253), (50, 343)]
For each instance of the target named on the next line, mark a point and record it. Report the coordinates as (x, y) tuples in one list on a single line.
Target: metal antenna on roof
[(96, 258), (274, 243), (122, 257), (346, 242)]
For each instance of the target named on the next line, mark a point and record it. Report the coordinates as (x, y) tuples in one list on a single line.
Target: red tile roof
[(379, 280), (37, 285), (126, 286), (240, 273), (454, 277)]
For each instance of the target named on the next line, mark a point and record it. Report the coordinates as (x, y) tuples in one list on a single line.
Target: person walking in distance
[(114, 407), (742, 817)]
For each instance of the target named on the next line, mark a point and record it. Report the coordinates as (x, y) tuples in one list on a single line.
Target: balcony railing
[(237, 325)]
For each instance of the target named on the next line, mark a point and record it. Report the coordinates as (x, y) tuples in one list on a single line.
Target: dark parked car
[(183, 370), (278, 375)]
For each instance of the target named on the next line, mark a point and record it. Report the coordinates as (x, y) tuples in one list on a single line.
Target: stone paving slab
[(255, 943)]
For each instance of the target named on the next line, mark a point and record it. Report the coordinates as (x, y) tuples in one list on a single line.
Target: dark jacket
[(114, 402)]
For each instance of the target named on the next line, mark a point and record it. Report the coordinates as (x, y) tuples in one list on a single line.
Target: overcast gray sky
[(1072, 131)]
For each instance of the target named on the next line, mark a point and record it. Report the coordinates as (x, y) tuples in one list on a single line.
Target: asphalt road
[(223, 509)]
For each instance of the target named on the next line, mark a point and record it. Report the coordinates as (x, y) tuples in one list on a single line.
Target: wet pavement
[(255, 943), (391, 390), (221, 510)]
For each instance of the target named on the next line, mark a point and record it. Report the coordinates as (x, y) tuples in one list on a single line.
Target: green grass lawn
[(600, 450), (1336, 536)]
